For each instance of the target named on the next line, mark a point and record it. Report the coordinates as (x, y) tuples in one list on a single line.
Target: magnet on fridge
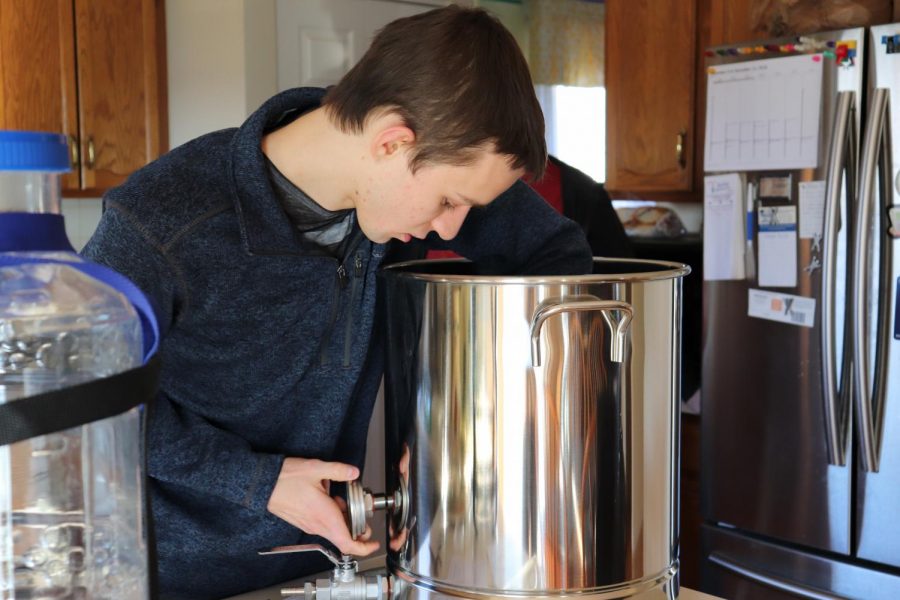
[(894, 216), (775, 186), (850, 45), (816, 245), (814, 264), (846, 52)]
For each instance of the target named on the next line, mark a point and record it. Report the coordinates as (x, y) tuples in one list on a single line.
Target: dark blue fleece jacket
[(266, 351)]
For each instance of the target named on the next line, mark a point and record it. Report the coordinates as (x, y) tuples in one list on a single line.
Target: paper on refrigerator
[(783, 308), (723, 227), (812, 209), (777, 246), (764, 114)]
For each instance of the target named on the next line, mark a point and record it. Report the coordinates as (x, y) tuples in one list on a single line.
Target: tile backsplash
[(82, 216)]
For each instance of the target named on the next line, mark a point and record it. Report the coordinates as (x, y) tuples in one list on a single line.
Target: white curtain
[(567, 42)]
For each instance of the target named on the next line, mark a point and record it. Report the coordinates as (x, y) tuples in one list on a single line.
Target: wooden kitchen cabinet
[(94, 70), (650, 86)]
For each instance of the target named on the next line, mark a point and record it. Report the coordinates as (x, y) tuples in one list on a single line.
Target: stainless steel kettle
[(533, 423)]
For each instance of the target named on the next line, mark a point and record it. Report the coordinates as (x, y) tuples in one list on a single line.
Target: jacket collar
[(265, 228)]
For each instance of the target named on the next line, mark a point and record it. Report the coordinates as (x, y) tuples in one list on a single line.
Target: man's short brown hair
[(458, 79)]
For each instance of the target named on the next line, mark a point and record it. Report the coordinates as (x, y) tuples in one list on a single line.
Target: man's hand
[(301, 498)]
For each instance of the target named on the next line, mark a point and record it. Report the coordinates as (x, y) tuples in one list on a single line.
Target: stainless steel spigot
[(344, 583), (362, 504)]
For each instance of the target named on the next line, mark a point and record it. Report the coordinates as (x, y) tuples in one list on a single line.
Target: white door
[(319, 40)]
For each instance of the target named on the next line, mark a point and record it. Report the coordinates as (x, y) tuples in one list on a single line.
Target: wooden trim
[(703, 36), (162, 81), (69, 86), (150, 35), (83, 62)]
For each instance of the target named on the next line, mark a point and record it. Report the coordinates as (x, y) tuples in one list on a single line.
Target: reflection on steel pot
[(534, 424)]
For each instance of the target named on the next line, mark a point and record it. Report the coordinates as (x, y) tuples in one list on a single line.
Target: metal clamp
[(362, 504)]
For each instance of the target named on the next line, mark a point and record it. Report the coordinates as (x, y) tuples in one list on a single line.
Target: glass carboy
[(72, 522)]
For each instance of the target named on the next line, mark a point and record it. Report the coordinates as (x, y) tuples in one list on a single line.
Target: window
[(575, 120)]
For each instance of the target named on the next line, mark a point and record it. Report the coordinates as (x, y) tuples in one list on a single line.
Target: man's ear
[(391, 139)]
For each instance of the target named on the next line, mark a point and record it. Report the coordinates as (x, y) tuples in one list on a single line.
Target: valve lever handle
[(338, 562)]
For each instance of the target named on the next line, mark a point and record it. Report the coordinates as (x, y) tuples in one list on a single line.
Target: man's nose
[(447, 224)]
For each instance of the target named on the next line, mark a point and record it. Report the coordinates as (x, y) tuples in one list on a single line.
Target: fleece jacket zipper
[(342, 279), (354, 292)]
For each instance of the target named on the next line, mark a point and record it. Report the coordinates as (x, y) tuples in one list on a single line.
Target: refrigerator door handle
[(870, 398), (771, 581), (841, 160)]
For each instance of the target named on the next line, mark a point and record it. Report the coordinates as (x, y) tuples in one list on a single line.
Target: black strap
[(69, 407), (152, 556)]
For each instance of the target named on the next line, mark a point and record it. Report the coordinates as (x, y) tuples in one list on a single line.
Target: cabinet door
[(120, 73), (37, 70), (650, 59)]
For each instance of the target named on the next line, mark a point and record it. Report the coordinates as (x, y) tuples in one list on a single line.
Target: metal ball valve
[(344, 583)]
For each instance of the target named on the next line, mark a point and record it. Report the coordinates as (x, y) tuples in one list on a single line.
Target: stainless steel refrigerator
[(800, 413)]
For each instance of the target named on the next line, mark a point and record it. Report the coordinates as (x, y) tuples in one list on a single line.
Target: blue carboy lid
[(33, 151)]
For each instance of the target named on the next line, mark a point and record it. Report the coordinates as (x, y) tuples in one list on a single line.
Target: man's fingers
[(359, 548), (337, 533), (366, 535), (334, 471)]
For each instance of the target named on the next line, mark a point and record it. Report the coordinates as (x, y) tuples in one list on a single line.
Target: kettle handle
[(606, 307)]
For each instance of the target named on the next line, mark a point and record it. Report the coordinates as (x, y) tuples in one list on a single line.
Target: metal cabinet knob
[(91, 153), (74, 152)]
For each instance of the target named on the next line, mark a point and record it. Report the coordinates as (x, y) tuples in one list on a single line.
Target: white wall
[(221, 63), (82, 216), (221, 66)]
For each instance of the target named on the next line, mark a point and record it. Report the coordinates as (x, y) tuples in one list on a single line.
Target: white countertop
[(274, 593)]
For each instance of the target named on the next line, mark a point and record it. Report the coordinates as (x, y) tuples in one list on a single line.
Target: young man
[(259, 247)]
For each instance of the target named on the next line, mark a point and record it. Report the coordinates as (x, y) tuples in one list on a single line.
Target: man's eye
[(445, 202)]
